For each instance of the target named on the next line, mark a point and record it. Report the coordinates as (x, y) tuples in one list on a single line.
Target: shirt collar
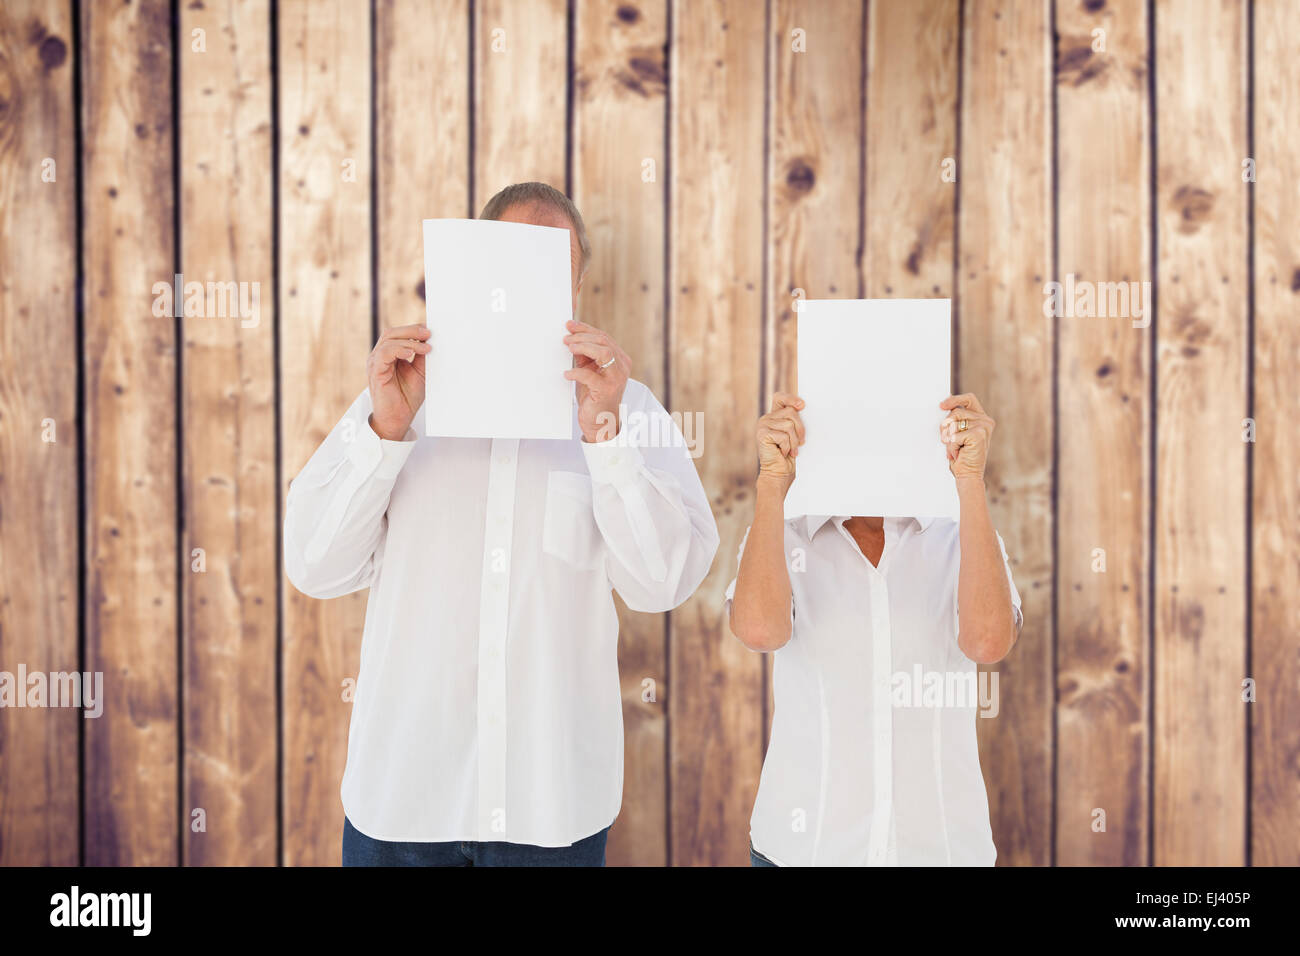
[(814, 522)]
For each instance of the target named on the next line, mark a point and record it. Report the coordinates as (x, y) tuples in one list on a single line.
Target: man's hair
[(540, 194)]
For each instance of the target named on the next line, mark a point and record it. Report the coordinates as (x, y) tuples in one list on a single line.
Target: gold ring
[(962, 424)]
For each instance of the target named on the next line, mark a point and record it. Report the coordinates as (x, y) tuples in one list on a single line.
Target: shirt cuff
[(377, 456), (613, 461)]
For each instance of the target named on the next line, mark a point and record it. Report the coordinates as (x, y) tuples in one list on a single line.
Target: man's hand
[(780, 433), (601, 370), (968, 448), (395, 370)]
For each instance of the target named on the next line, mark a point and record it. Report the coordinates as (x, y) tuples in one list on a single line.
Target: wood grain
[(228, 423), (911, 129), (131, 813), (1004, 346), (618, 124), (814, 170), (422, 140), (1275, 716), (716, 303), (1104, 415), (1200, 516), (325, 336), (39, 814), (520, 95), (814, 182)]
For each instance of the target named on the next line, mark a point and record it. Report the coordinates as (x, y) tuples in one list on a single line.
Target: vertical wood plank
[(814, 169), (814, 182), (620, 75), (228, 424), (39, 822), (911, 125), (716, 301), (131, 814), (520, 95), (325, 335), (1200, 519), (421, 140), (1103, 234), (1005, 356), (1275, 724)]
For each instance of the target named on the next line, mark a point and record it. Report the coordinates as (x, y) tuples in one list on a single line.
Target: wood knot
[(644, 75), (1077, 65), (54, 52), (799, 177), (1194, 206)]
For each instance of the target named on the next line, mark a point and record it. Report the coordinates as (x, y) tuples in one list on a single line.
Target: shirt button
[(503, 460)]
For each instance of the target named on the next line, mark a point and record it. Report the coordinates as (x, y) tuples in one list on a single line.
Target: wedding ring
[(608, 364), (962, 424)]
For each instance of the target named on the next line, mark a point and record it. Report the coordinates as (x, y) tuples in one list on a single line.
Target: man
[(856, 773), (487, 724)]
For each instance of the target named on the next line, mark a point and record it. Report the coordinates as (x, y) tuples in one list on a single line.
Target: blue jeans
[(756, 858), (361, 850)]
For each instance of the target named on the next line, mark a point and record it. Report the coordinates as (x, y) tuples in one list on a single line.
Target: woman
[(873, 757)]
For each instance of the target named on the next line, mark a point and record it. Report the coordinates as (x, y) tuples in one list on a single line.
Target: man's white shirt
[(488, 705), (873, 759)]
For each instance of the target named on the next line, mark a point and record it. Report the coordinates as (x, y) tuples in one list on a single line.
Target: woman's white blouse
[(873, 758), (488, 705)]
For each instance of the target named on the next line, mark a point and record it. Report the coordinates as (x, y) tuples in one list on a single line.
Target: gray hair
[(540, 194)]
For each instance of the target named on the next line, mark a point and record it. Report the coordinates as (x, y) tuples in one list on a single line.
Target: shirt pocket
[(569, 530)]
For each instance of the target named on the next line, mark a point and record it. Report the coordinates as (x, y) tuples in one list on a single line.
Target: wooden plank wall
[(1103, 426), (730, 157), (1006, 171), (129, 358), (228, 431), (39, 425), (619, 170)]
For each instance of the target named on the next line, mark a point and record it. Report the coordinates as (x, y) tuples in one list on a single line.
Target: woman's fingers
[(780, 439), (790, 414), (790, 429), (965, 400), (420, 332)]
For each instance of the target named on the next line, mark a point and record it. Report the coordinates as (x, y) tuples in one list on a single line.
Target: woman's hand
[(968, 447), (780, 433)]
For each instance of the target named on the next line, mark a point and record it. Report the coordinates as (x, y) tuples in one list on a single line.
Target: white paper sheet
[(497, 296), (873, 372)]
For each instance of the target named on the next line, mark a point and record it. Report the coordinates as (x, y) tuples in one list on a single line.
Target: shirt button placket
[(494, 608), (882, 718)]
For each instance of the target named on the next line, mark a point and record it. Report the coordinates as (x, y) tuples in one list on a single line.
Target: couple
[(487, 724)]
